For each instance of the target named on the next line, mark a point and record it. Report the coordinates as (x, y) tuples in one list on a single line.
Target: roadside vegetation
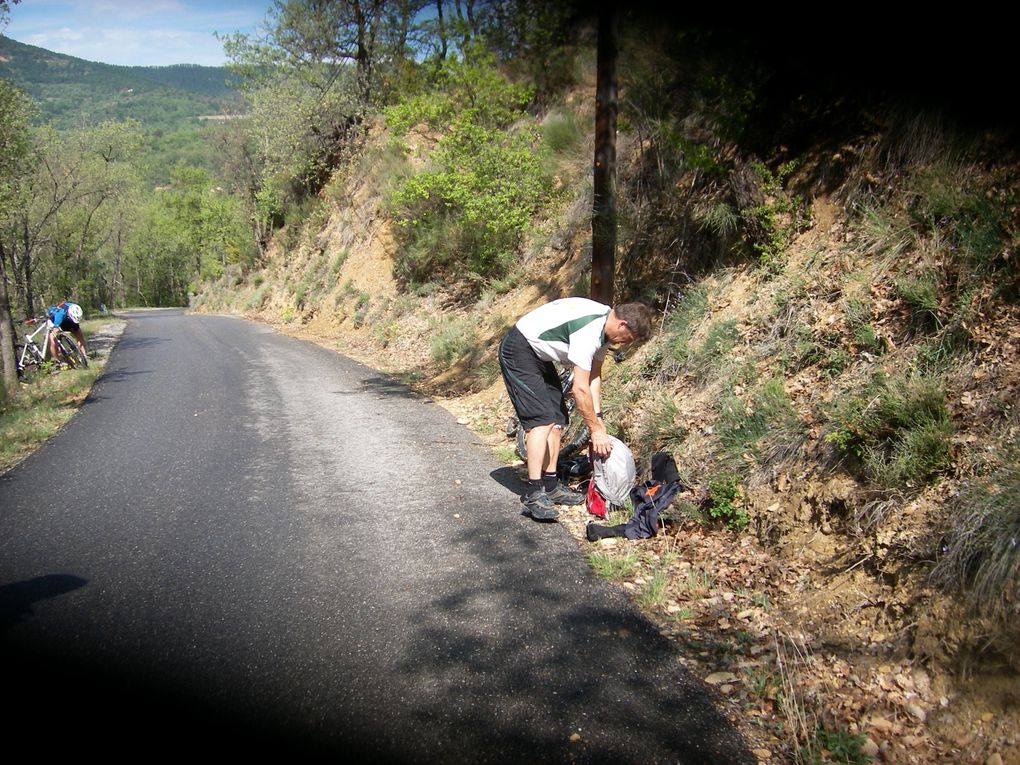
[(42, 404)]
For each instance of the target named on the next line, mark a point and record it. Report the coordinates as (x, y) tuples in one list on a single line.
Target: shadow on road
[(387, 386), (509, 478), (565, 678), (16, 599)]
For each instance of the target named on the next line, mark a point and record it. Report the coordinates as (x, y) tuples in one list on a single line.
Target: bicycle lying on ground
[(30, 354)]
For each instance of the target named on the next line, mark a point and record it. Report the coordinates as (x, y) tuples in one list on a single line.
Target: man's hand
[(601, 446)]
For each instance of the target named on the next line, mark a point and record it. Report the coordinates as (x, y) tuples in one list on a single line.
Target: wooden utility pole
[(603, 219)]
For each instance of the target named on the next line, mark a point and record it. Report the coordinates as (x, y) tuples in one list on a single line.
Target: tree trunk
[(8, 362), (603, 221), (442, 30)]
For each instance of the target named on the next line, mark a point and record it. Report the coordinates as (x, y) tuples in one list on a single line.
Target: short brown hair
[(639, 319)]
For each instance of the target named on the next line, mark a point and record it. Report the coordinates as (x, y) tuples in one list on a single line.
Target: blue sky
[(135, 32)]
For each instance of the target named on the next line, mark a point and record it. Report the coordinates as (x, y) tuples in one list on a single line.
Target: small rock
[(916, 712), (726, 689), (966, 740), (761, 754), (575, 737), (880, 723), (718, 678), (994, 759), (869, 747), (463, 421), (987, 717)]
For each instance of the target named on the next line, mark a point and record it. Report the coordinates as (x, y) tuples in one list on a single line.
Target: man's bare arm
[(588, 398)]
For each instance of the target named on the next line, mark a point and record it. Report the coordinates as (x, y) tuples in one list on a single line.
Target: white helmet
[(74, 311)]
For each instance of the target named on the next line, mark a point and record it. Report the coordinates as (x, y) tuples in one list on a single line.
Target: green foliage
[(897, 428), (980, 553), (610, 566), (858, 317), (834, 746), (659, 428), (921, 295), (725, 500), (683, 321), (654, 591), (720, 339), (761, 426), (464, 214), (561, 133), (975, 212), (451, 339), (782, 216), (68, 89), (721, 219)]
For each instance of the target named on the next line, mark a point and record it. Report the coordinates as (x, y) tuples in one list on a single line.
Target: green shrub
[(725, 500), (658, 428), (464, 214), (764, 425), (451, 339), (975, 213), (561, 133), (980, 554), (898, 429), (781, 217), (467, 214), (838, 746), (681, 324), (921, 294)]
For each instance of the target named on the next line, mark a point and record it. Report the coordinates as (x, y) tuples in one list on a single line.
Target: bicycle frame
[(31, 350)]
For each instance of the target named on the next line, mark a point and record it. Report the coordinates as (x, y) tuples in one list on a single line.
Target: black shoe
[(563, 495), (539, 506)]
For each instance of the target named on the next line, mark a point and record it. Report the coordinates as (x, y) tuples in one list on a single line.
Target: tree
[(15, 148), (5, 10), (603, 222)]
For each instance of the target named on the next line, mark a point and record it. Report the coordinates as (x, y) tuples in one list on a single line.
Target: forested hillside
[(67, 89), (827, 228)]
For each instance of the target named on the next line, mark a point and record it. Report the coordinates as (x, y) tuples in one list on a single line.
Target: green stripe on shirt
[(565, 330)]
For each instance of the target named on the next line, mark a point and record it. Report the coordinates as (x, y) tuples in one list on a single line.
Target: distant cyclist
[(67, 316)]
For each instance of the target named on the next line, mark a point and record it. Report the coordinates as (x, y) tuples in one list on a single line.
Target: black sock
[(549, 481), (534, 485)]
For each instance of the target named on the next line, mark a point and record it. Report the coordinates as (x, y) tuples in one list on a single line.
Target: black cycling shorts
[(533, 384)]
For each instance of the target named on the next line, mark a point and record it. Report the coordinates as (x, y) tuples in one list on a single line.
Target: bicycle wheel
[(575, 437), (69, 351), (27, 359)]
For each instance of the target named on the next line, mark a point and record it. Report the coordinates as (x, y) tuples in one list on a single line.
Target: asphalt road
[(246, 544)]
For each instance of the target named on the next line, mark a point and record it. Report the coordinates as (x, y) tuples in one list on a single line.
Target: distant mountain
[(66, 88)]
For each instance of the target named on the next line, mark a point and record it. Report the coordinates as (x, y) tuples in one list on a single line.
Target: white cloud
[(135, 32)]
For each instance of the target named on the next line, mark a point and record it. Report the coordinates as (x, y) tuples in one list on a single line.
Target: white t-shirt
[(568, 331)]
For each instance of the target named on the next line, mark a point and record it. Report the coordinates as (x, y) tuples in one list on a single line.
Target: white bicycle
[(32, 354)]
